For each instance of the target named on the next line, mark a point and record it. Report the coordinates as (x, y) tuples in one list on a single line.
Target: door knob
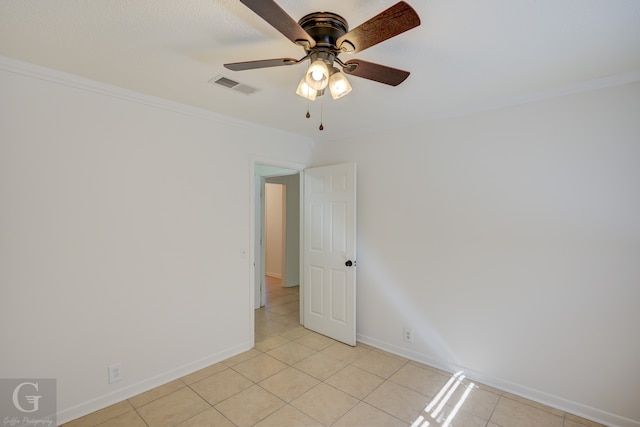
[(349, 263)]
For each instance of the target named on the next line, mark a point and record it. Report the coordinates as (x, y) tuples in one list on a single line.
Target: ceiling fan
[(324, 36)]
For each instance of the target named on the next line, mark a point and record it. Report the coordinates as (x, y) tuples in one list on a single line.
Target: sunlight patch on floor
[(434, 413)]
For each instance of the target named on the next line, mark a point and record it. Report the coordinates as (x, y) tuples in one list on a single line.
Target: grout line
[(494, 409), (140, 415)]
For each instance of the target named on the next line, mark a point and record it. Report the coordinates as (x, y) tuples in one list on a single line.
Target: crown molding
[(16, 66), (544, 95)]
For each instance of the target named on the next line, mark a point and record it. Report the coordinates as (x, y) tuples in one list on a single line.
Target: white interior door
[(329, 253)]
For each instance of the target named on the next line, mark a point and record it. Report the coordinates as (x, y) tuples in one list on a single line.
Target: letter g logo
[(31, 399)]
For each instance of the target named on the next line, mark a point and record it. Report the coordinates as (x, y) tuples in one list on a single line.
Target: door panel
[(329, 242), (339, 296), (316, 294)]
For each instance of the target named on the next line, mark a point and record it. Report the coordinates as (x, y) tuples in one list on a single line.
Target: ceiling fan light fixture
[(338, 84), (317, 76), (305, 91)]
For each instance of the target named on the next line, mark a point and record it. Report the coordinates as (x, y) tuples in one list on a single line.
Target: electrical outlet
[(115, 373), (407, 335)]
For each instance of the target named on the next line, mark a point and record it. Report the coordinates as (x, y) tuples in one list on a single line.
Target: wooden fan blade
[(263, 63), (389, 23), (376, 72), (280, 20)]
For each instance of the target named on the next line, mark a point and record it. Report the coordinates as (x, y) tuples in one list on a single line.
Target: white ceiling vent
[(234, 85)]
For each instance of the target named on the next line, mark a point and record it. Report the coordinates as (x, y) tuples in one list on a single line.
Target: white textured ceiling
[(466, 55)]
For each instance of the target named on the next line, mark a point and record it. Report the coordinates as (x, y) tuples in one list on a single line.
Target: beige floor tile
[(398, 401), (571, 420), (419, 379), (270, 329), (573, 423), (534, 404), (366, 346), (289, 321), (325, 403), (379, 363), (155, 393), (431, 368), (512, 413), (489, 388), (271, 343), (262, 316), (345, 353), (102, 415), (291, 352), (320, 366), (478, 401), (242, 357), (284, 299), (250, 406), (288, 416), (461, 418), (220, 386), (284, 307), (209, 418), (173, 408), (128, 419), (295, 316), (289, 384), (315, 341), (355, 381), (366, 415), (296, 333), (423, 419), (203, 373), (394, 356), (260, 367), (260, 336)]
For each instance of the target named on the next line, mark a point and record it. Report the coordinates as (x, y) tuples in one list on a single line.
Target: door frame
[(294, 166)]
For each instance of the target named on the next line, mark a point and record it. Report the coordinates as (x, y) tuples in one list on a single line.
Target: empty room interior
[(485, 157)]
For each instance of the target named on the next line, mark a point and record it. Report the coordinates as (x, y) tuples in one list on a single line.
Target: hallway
[(281, 311)]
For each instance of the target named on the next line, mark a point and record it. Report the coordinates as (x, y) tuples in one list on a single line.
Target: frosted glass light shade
[(317, 76), (339, 85), (305, 91)]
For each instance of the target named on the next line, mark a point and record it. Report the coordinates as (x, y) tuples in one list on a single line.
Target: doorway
[(277, 251), (327, 295)]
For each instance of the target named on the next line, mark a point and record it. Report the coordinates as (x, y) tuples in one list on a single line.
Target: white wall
[(510, 242), (122, 225), (274, 229)]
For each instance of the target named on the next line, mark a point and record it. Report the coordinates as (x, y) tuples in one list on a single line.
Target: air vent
[(234, 85), (226, 82), (247, 90)]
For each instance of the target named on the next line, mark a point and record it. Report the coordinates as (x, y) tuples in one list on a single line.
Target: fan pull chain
[(308, 101), (321, 127)]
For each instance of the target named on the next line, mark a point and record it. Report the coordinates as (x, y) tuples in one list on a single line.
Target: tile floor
[(295, 377)]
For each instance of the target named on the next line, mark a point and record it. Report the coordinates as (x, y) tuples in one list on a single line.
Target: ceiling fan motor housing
[(325, 28)]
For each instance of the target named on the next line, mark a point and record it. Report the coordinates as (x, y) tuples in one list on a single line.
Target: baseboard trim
[(538, 396), (85, 408)]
